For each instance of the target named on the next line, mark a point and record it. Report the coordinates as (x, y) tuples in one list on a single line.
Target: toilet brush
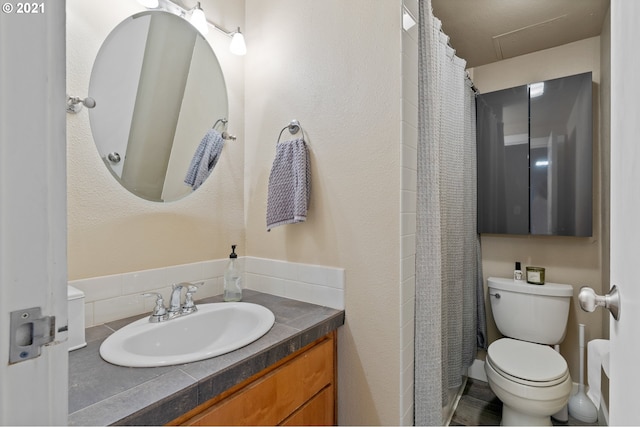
[(580, 406)]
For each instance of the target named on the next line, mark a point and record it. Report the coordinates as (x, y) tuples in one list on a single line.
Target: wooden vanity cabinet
[(298, 390)]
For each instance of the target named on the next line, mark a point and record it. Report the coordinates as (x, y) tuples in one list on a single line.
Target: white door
[(33, 262), (625, 211)]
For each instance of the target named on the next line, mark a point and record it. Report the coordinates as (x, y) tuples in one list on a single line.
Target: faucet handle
[(192, 288), (189, 306), (159, 311), (188, 285)]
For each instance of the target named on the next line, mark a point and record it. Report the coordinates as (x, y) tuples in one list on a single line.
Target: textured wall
[(335, 65), (573, 260), (111, 231)]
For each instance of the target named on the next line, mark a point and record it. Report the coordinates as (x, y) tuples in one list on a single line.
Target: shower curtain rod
[(473, 86)]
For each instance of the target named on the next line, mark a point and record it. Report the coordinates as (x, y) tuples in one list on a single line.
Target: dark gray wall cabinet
[(535, 161)]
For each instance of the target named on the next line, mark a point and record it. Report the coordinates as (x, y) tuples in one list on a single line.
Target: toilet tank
[(534, 313)]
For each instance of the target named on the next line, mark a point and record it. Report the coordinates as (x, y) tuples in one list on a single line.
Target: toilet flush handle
[(497, 295), (589, 300)]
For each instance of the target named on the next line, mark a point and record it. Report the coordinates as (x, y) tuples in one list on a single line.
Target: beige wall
[(335, 65), (572, 260), (111, 231)]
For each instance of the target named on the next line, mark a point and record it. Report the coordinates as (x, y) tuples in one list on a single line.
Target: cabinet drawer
[(319, 411), (272, 398)]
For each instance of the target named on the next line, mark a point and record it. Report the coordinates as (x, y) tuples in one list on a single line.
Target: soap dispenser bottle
[(517, 273), (232, 278)]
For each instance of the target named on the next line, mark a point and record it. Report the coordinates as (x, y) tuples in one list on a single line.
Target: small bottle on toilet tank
[(517, 273)]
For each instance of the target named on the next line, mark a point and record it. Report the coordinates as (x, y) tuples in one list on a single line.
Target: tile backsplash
[(314, 284), (117, 296)]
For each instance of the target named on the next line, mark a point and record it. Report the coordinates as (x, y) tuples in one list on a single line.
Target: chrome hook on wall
[(74, 103)]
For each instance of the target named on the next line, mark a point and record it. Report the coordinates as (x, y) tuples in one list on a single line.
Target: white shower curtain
[(447, 243)]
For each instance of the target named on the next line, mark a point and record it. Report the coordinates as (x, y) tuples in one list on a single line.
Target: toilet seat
[(526, 363), (531, 400)]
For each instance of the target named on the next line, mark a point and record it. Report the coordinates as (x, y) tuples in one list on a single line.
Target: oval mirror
[(159, 89)]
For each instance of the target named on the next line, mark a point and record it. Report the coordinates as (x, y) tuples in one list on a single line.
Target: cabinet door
[(561, 156), (535, 158), (272, 398), (503, 161)]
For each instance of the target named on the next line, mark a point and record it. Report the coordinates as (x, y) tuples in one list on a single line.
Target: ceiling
[(485, 31)]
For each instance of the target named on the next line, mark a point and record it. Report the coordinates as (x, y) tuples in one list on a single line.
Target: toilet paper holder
[(589, 300)]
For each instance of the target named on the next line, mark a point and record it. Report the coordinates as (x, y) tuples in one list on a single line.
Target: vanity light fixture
[(198, 19), (237, 45), (149, 4)]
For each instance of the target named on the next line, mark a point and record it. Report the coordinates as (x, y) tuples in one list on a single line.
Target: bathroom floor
[(478, 406)]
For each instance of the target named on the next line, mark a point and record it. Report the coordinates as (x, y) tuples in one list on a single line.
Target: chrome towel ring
[(294, 127)]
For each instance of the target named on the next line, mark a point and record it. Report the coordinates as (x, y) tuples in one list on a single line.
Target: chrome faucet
[(175, 302), (176, 308)]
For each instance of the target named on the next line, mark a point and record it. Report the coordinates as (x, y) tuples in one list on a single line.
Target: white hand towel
[(597, 356), (289, 184), (204, 159)]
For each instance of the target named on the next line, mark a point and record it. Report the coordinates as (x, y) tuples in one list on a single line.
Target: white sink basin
[(213, 330)]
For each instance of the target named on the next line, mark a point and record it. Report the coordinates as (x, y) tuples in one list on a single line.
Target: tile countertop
[(103, 394)]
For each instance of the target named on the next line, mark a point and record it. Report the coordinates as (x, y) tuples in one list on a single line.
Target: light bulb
[(149, 4), (237, 45), (199, 20)]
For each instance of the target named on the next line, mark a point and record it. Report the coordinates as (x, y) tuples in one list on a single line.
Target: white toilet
[(530, 378)]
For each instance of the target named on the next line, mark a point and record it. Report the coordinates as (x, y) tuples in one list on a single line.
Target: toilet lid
[(528, 361)]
